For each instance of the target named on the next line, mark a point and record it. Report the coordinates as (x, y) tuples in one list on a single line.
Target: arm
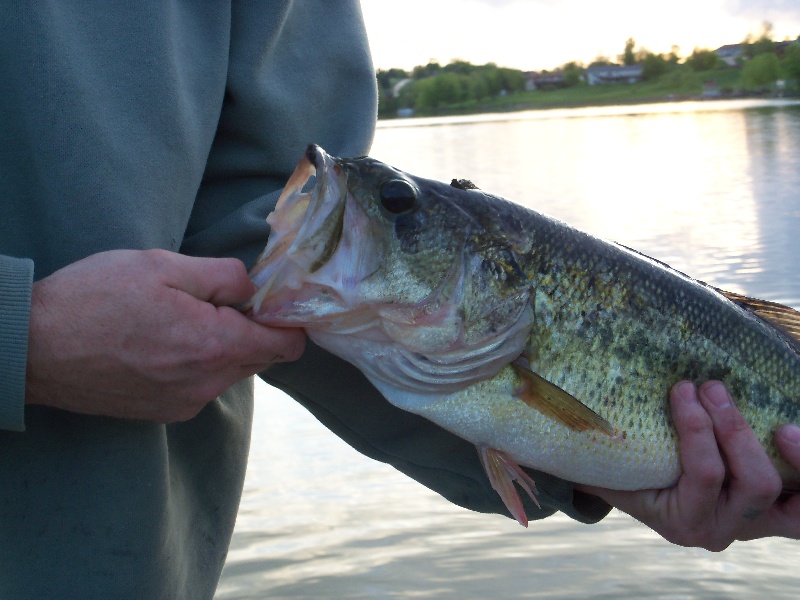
[(711, 506), (147, 335)]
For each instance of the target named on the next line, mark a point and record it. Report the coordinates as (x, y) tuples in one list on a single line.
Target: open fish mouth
[(318, 249), (306, 228)]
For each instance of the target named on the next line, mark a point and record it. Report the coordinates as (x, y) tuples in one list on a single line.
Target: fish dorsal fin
[(553, 402), (783, 318)]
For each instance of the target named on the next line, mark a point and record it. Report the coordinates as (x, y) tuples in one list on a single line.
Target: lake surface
[(712, 189)]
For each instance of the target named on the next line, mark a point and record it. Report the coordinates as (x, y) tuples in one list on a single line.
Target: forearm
[(16, 278)]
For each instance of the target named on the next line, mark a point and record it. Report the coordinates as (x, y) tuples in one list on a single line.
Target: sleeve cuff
[(16, 280)]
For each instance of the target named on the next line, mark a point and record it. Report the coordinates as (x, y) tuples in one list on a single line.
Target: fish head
[(415, 281)]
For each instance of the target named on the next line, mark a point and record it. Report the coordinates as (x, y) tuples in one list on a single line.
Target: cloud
[(766, 10)]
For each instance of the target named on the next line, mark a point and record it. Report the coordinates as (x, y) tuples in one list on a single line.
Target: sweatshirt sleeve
[(16, 280)]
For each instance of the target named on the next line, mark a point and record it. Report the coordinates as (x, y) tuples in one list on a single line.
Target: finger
[(783, 517), (703, 468), (256, 346), (691, 504), (219, 281), (754, 483), (787, 438), (641, 504)]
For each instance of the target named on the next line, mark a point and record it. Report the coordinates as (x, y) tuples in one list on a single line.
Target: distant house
[(730, 54), (544, 81), (599, 75)]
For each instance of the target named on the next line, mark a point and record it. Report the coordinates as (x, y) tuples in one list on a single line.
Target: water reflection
[(714, 193), (319, 520)]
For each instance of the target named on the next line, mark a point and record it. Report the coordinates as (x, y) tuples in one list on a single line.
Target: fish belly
[(490, 414)]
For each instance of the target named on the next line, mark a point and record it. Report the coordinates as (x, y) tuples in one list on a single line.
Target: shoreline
[(504, 111), (598, 102)]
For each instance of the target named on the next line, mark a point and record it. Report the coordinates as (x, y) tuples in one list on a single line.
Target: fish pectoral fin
[(552, 401), (783, 318), (503, 472)]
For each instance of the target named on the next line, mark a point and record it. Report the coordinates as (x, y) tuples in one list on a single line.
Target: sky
[(544, 34)]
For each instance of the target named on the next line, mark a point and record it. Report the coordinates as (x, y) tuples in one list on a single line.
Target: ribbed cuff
[(16, 280)]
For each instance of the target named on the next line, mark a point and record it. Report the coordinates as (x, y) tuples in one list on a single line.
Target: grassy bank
[(679, 85)]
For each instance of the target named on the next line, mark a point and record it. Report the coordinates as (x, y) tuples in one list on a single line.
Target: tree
[(791, 63), (429, 70), (761, 71), (762, 45), (573, 72), (388, 78), (459, 66), (601, 61), (654, 66), (628, 57), (702, 60)]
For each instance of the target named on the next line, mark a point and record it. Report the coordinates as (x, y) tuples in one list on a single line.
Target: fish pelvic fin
[(553, 402), (783, 318), (503, 472)]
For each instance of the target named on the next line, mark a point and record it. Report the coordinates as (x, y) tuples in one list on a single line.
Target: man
[(139, 145)]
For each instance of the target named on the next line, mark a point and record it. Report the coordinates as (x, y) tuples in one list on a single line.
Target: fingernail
[(791, 434), (686, 392), (717, 395)]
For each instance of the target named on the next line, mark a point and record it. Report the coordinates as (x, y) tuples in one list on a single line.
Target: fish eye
[(398, 196)]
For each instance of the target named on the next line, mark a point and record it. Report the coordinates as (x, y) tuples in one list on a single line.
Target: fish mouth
[(310, 261), (305, 228)]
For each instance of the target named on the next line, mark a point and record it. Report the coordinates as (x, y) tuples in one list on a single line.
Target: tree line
[(461, 84), (433, 86)]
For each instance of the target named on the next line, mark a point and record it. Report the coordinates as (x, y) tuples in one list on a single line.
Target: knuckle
[(710, 474), (736, 424), (697, 423), (213, 353), (234, 267), (766, 489), (156, 257)]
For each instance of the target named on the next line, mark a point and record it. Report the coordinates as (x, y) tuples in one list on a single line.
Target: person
[(142, 148)]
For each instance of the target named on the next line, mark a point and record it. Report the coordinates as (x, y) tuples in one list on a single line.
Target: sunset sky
[(544, 34)]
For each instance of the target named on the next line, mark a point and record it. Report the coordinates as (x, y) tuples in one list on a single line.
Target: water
[(710, 188)]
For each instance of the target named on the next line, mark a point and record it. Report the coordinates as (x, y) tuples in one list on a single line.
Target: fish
[(544, 346)]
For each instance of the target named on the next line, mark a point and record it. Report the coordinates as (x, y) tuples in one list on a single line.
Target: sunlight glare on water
[(708, 188)]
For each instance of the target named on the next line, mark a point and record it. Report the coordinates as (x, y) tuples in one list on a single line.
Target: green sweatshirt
[(169, 124)]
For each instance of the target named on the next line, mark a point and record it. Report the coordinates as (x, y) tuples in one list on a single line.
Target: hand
[(146, 335), (711, 507)]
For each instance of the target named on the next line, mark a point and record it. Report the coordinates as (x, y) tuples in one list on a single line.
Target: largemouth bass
[(542, 345)]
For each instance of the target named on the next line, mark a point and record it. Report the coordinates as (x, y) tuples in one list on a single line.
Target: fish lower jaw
[(301, 305)]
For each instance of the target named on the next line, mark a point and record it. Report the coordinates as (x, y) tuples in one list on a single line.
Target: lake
[(713, 189)]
